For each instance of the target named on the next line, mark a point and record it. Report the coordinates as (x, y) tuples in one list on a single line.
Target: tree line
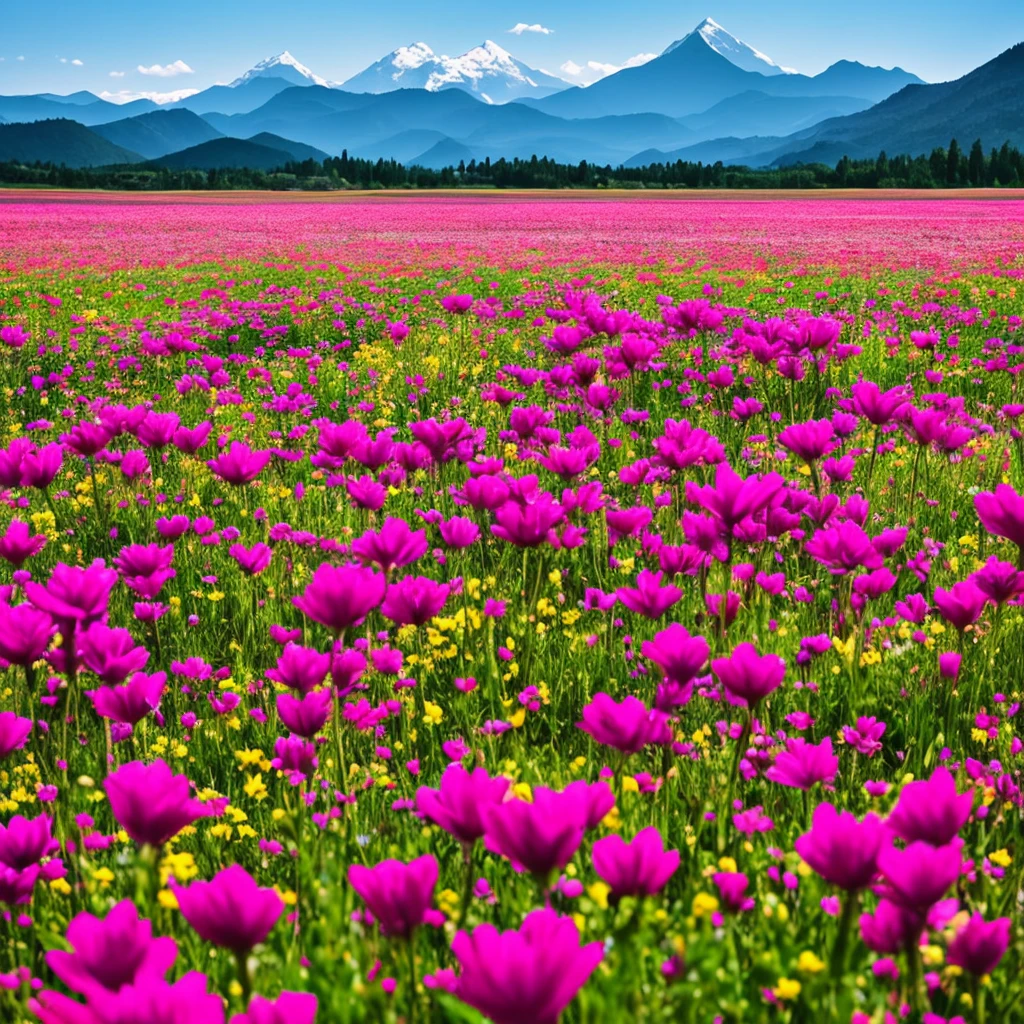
[(950, 167)]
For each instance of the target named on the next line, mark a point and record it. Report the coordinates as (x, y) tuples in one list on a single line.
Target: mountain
[(60, 141), (295, 150), (285, 66), (47, 107), (237, 99), (691, 76), (987, 104), (81, 98), (757, 113), (488, 71), (729, 150), (224, 153), (381, 125), (444, 153), (733, 50), (158, 132)]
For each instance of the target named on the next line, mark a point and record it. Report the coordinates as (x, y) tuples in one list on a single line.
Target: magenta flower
[(396, 544), (16, 886), (979, 945), (961, 605), (231, 910), (399, 895), (131, 702), (306, 714), (748, 677), (239, 464), (892, 928), (876, 406), (252, 561), (414, 600), (527, 975), (809, 441), (151, 1000), (86, 439), (866, 736), (628, 726), (287, 1008), (919, 875), (733, 498), (26, 841), (25, 633), (679, 655), (732, 887), (640, 868), (1002, 513), (39, 467), (457, 804), (841, 849), (844, 548), (527, 526), (930, 811), (458, 532), (112, 952), (649, 598), (537, 837), (145, 568), (74, 595), (157, 429), (341, 596), (589, 802), (13, 732), (294, 756), (111, 654), (803, 764), (151, 803), (19, 544), (300, 668)]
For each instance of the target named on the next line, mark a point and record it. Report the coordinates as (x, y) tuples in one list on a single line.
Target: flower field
[(527, 610)]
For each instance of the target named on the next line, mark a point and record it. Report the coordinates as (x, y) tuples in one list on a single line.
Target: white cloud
[(117, 74), (127, 95), (77, 63), (595, 70), (63, 60), (520, 27), (179, 67), (19, 58)]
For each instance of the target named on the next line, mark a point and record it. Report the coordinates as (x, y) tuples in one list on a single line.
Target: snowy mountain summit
[(733, 50), (488, 71), (285, 66)]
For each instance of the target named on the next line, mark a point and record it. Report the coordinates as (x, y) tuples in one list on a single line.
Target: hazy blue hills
[(158, 132), (60, 141)]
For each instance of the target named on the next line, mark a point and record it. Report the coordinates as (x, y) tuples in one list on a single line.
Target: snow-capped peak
[(734, 50), (414, 56), (488, 70), (284, 65)]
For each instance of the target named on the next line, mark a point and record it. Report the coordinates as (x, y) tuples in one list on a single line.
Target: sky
[(122, 49)]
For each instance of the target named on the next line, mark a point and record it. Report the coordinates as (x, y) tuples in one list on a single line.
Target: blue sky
[(62, 47)]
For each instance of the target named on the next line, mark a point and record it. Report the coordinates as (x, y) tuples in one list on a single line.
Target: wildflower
[(841, 849), (231, 910), (398, 895), (639, 868), (545, 949)]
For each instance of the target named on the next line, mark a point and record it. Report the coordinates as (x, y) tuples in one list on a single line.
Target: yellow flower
[(808, 963), (704, 904), (598, 892), (104, 876), (255, 787), (522, 791), (433, 713), (728, 865), (787, 988), (1001, 858), (167, 899)]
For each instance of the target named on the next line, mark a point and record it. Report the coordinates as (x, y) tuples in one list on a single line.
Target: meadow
[(519, 609)]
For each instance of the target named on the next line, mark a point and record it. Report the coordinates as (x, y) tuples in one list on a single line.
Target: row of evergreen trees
[(942, 168)]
